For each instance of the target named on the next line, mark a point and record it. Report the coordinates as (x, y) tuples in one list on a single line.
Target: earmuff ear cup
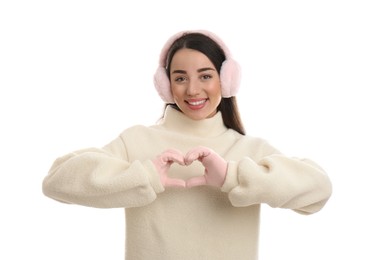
[(162, 85), (230, 75)]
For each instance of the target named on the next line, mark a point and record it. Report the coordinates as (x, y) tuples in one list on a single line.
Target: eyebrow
[(199, 70)]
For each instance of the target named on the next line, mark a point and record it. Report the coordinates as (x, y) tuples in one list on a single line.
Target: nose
[(193, 88)]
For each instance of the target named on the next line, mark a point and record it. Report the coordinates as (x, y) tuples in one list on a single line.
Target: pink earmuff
[(229, 73)]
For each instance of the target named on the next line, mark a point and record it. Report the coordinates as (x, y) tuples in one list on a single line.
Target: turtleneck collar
[(175, 120)]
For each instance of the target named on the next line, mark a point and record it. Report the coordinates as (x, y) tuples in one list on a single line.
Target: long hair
[(204, 44)]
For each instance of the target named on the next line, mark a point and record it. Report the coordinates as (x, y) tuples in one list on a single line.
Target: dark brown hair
[(204, 44)]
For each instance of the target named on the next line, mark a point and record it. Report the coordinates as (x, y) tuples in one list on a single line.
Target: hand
[(215, 167), (163, 162)]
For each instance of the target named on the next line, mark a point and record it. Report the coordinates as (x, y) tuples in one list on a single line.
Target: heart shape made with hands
[(215, 167)]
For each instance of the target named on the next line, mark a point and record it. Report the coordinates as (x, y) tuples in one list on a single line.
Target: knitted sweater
[(188, 223)]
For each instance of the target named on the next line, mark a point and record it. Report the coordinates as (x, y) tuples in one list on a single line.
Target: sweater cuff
[(153, 176), (231, 180)]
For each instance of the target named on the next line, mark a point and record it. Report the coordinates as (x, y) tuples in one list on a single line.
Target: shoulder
[(141, 131), (135, 130), (254, 144), (246, 138)]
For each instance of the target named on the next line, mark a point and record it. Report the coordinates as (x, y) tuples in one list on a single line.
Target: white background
[(74, 74)]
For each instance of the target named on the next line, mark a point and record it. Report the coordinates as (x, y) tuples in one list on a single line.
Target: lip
[(196, 104)]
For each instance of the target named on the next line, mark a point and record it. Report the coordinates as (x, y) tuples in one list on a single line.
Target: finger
[(196, 181), (193, 156), (179, 158), (176, 158), (197, 153), (170, 182), (173, 155), (190, 158)]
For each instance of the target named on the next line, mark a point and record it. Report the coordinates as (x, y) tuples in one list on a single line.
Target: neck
[(177, 121)]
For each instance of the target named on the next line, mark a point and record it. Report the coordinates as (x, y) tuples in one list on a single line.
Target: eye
[(206, 76), (180, 79)]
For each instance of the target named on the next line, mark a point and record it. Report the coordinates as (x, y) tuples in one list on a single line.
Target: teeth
[(196, 103)]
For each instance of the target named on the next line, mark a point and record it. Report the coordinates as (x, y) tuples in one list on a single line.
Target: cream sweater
[(181, 223)]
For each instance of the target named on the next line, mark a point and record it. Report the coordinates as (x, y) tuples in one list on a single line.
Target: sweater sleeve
[(103, 179), (278, 181)]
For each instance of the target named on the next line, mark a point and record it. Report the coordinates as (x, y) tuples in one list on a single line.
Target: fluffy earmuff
[(229, 73)]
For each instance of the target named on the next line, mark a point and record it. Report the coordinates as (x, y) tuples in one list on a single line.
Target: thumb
[(196, 181), (171, 182)]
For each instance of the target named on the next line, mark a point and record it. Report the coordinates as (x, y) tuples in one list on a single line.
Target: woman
[(191, 185)]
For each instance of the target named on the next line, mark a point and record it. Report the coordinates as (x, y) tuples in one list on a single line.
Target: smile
[(196, 104)]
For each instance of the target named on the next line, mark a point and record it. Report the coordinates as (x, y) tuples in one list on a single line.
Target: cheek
[(176, 92), (218, 92), (215, 90)]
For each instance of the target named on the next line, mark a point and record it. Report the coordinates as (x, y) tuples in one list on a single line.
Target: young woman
[(192, 184)]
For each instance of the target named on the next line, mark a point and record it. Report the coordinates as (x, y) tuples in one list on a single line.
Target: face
[(195, 84)]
